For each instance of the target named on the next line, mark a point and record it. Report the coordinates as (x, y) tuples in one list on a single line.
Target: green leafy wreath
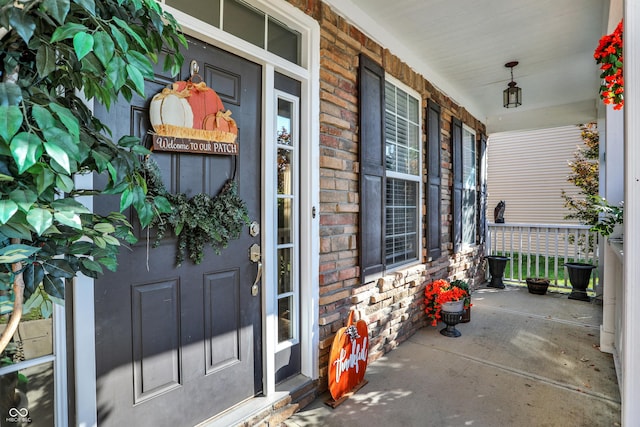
[(199, 220)]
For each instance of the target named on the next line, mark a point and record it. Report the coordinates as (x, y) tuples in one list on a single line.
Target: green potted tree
[(54, 56)]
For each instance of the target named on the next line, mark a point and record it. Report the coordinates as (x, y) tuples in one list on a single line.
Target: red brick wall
[(392, 306)]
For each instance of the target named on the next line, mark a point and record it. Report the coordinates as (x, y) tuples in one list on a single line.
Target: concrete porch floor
[(523, 360)]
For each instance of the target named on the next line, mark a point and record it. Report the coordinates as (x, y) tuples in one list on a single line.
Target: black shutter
[(483, 187), (456, 143), (434, 179), (372, 169)]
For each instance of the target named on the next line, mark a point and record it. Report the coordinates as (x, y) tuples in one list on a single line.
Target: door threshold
[(244, 411)]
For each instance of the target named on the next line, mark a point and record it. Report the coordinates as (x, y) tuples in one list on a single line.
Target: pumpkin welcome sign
[(190, 117), (348, 358)]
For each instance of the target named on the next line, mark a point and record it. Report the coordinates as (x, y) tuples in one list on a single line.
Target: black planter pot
[(497, 264), (537, 286), (579, 276)]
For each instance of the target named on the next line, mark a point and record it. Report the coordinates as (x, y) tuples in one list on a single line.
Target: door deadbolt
[(255, 253)]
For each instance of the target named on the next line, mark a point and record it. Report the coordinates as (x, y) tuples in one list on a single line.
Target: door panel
[(175, 346)]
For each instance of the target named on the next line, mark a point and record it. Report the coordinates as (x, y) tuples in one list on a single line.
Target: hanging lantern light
[(512, 95)]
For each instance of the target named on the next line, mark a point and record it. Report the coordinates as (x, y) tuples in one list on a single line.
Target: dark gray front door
[(175, 346)]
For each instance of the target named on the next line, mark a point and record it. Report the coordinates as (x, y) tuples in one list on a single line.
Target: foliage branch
[(609, 55), (585, 170), (198, 220), (55, 55)]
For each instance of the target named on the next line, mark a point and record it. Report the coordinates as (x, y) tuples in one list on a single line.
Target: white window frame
[(469, 139), (294, 148), (408, 177)]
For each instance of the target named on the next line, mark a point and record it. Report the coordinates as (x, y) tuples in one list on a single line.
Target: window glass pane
[(285, 326), (285, 218), (204, 10), (284, 171), (30, 393), (285, 115), (34, 337), (284, 271), (402, 132), (243, 21), (283, 41), (469, 188), (402, 221)]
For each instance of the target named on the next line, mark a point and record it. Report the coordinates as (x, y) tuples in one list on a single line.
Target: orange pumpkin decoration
[(221, 121), (202, 99), (348, 357)]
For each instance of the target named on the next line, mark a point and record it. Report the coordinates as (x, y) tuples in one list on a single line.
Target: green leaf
[(16, 253), (44, 180), (120, 38), (110, 263), (7, 209), (32, 276), (110, 240), (43, 117), (53, 286), (10, 121), (10, 94), (82, 44), (88, 266), (13, 230), (104, 47), (45, 60), (58, 9), (69, 205), (59, 155), (65, 183), (99, 242), (26, 149), (89, 5), (145, 214), (68, 218), (46, 309), (68, 119), (162, 204), (129, 141), (80, 248), (137, 78), (104, 227), (127, 29), (141, 62), (64, 140), (58, 267), (116, 72), (40, 219), (24, 198), (22, 23), (67, 31), (33, 301)]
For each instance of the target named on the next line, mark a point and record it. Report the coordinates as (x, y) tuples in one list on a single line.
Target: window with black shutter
[(390, 183)]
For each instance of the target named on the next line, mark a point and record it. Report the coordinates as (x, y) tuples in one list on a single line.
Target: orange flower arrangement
[(437, 293), (609, 55)]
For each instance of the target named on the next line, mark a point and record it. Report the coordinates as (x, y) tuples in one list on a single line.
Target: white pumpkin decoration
[(167, 108)]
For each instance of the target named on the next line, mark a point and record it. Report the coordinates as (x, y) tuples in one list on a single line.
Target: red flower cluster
[(609, 55), (437, 293)]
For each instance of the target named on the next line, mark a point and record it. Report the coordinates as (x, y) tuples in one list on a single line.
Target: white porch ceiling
[(461, 46)]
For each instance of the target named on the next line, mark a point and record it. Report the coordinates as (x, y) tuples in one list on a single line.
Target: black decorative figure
[(498, 212)]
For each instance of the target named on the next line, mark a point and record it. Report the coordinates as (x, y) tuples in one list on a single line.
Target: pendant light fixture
[(512, 95)]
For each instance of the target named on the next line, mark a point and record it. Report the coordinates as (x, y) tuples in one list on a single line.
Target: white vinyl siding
[(528, 170)]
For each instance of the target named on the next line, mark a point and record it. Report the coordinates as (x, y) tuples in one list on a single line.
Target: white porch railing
[(540, 250)]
